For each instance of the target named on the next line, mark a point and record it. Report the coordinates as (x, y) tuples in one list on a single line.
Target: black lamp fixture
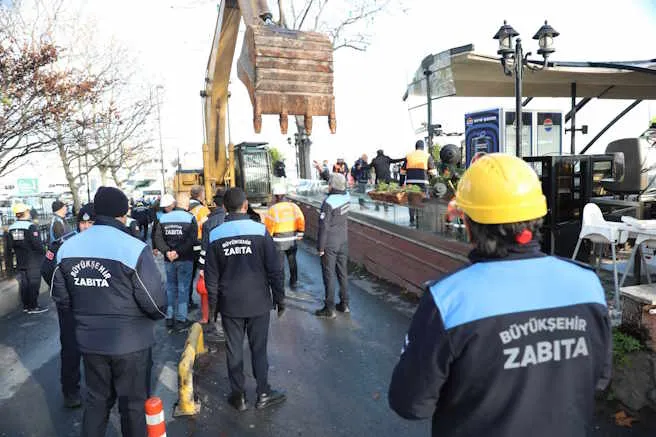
[(545, 37), (505, 35)]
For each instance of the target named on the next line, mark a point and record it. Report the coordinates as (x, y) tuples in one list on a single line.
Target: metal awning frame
[(440, 60)]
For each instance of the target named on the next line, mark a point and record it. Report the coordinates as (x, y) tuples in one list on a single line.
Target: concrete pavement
[(335, 372)]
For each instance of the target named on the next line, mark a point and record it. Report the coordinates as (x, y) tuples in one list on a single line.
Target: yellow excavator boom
[(286, 72)]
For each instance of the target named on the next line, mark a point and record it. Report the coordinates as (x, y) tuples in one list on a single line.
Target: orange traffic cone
[(204, 302), (155, 417)]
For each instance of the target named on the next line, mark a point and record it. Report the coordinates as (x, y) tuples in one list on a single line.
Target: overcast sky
[(172, 41)]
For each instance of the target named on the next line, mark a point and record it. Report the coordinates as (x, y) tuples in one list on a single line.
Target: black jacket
[(176, 230), (49, 263), (242, 269), (333, 221), (58, 228), (381, 165), (507, 347), (133, 225), (215, 219), (111, 283), (25, 241)]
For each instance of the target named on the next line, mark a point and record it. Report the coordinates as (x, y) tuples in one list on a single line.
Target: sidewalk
[(10, 299)]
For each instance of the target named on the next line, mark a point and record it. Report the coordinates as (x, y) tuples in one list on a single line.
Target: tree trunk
[(70, 178), (117, 180), (103, 175)]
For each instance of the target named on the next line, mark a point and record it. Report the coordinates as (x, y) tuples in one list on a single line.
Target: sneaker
[(72, 401), (238, 401), (273, 397), (183, 325), (37, 310), (169, 323), (26, 309), (343, 307), (325, 312)]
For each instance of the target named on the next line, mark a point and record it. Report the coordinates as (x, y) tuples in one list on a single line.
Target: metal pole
[(161, 147), (573, 120), (429, 106), (519, 68)]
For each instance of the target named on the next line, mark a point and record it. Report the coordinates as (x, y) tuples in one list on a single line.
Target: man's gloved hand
[(281, 309)]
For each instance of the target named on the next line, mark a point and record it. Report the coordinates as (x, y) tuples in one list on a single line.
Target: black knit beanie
[(110, 202)]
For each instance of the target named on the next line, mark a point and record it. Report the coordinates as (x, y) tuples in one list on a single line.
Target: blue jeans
[(178, 278)]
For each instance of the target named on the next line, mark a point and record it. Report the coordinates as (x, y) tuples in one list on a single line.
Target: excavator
[(286, 72)]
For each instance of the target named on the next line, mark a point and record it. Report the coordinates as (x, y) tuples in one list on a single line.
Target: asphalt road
[(335, 372)]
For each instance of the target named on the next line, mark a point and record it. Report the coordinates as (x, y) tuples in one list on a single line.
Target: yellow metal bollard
[(194, 346)]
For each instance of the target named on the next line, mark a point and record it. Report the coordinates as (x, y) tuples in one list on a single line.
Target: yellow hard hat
[(19, 208), (500, 188)]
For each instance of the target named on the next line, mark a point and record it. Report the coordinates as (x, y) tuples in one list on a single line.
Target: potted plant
[(415, 194), (379, 192), (396, 194)]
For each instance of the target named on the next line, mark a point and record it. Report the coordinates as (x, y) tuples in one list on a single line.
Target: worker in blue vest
[(70, 353), (516, 343), (25, 242), (58, 225), (110, 282), (176, 234), (333, 246)]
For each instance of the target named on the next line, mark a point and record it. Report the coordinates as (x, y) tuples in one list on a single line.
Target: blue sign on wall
[(482, 132)]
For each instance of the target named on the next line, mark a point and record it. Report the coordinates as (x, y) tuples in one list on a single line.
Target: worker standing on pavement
[(58, 225), (244, 281), (214, 220), (200, 212), (333, 246), (516, 343), (381, 165), (285, 222), (110, 281), (25, 242), (70, 353), (133, 225), (418, 167), (175, 237)]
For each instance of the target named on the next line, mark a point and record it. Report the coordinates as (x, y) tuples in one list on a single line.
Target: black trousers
[(414, 212), (335, 261), (126, 377), (29, 283), (257, 329), (70, 354), (290, 254)]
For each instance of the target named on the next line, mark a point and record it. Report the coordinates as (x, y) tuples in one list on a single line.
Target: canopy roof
[(460, 72)]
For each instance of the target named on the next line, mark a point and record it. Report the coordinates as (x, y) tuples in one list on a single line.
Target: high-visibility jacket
[(417, 167), (286, 223), (200, 212)]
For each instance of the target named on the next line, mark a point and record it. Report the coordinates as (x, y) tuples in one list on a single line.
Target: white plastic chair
[(599, 231), (645, 234)]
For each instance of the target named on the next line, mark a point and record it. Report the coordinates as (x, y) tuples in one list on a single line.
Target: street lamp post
[(545, 36), (161, 147)]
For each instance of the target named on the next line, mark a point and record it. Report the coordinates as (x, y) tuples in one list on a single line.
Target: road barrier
[(187, 404), (155, 423)]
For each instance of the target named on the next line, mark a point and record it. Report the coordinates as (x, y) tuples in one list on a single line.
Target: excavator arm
[(286, 72)]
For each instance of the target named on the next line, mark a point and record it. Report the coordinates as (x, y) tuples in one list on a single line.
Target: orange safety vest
[(416, 168), (200, 212), (417, 160), (285, 222)]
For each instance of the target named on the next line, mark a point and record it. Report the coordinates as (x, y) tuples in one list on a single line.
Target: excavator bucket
[(287, 72)]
